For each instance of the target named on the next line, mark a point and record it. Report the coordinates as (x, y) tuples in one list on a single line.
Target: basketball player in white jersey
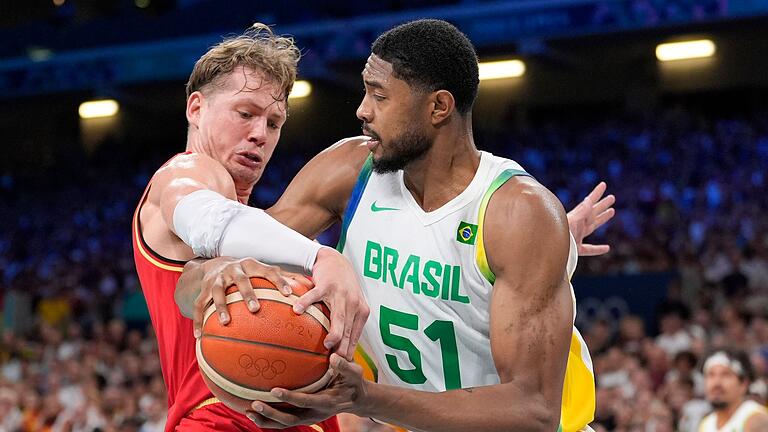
[(465, 260), (727, 375)]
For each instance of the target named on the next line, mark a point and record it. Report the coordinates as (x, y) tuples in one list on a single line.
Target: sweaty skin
[(527, 244), (233, 130)]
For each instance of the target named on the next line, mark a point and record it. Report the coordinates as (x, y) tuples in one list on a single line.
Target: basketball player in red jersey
[(194, 206)]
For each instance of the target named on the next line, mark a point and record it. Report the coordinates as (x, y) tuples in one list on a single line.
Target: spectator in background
[(727, 376), (678, 221), (10, 414)]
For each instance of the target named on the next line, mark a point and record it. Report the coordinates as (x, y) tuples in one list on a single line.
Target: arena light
[(685, 50), (98, 108), (501, 69), (300, 89)]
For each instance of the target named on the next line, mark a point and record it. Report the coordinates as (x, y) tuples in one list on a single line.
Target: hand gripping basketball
[(241, 361), (220, 273)]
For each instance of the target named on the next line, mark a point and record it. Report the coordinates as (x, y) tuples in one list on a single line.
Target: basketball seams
[(248, 393), (235, 381), (265, 344), (232, 386), (274, 295)]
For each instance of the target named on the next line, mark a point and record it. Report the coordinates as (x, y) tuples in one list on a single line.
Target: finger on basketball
[(197, 316), (357, 330), (283, 284), (253, 268), (246, 290), (342, 366), (220, 302), (345, 348), (283, 418), (263, 422), (299, 399), (338, 321), (312, 296)]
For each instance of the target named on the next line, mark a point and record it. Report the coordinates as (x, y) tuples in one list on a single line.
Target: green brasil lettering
[(425, 277)]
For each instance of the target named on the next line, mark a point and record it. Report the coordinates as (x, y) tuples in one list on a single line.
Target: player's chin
[(246, 176)]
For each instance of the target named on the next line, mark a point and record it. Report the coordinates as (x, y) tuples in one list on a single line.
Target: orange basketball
[(243, 360)]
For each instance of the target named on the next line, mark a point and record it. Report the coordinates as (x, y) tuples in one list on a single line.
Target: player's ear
[(194, 104), (443, 106)]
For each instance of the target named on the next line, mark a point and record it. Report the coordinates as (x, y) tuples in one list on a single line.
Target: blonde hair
[(259, 49)]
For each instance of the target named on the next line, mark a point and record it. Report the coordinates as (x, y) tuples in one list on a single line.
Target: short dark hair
[(432, 55)]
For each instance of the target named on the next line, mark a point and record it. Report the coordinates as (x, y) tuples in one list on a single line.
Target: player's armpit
[(317, 196), (527, 243)]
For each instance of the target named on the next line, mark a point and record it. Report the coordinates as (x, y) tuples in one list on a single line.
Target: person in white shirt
[(727, 374)]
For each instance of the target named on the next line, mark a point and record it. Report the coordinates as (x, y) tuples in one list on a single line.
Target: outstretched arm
[(527, 241)]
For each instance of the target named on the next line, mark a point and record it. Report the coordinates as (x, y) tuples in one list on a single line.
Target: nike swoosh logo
[(375, 208)]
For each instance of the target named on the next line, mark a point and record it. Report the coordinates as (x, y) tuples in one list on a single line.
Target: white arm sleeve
[(213, 225)]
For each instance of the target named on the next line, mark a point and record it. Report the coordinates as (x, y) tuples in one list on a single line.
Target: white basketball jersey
[(426, 279), (736, 422)]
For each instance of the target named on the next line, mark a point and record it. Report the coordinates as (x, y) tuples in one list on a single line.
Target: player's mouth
[(373, 138), (251, 160)]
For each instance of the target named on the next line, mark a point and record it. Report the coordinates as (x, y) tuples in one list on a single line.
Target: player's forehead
[(248, 85), (377, 70), (719, 370)]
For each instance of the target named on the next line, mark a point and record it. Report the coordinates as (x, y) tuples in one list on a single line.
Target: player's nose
[(258, 132), (364, 112)]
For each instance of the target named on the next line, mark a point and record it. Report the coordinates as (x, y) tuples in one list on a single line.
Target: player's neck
[(243, 194), (194, 144), (725, 414), (445, 171)]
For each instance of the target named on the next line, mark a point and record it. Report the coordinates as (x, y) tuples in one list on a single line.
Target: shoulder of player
[(524, 223), (339, 165), (194, 167), (352, 151), (758, 421), (525, 203), (189, 162)]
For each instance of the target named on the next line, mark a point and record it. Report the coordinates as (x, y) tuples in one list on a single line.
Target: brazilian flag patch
[(467, 233)]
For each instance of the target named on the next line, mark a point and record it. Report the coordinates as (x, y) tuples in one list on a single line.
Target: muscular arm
[(526, 236), (184, 175), (313, 201), (317, 196)]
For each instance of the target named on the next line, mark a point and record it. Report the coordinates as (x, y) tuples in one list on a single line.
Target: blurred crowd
[(77, 353)]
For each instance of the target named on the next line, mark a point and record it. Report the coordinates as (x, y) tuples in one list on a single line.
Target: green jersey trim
[(354, 200), (482, 258)]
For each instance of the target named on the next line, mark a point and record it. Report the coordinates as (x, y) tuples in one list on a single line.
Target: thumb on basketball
[(338, 363), (345, 369)]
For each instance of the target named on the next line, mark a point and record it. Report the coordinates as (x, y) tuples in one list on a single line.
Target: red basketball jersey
[(176, 344)]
